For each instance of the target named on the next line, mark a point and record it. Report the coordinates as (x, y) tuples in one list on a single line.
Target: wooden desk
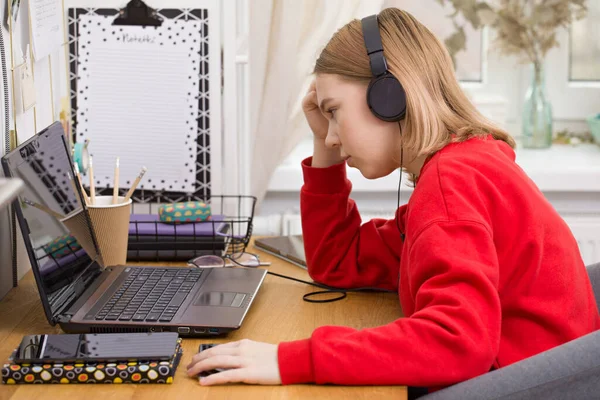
[(278, 314)]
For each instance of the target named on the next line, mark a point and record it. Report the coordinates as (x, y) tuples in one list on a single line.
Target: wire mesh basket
[(227, 231)]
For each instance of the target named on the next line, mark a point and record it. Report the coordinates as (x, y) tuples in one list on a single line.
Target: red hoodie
[(488, 274)]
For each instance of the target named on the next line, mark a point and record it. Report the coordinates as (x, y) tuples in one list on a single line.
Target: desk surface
[(278, 314)]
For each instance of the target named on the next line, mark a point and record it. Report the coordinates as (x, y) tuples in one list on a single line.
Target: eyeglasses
[(212, 261)]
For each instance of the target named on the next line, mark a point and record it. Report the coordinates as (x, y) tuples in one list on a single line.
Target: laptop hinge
[(76, 292), (63, 318), (91, 289)]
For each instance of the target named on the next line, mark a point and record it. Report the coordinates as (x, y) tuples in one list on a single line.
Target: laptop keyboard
[(150, 294)]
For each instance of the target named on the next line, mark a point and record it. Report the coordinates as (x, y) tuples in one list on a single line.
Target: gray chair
[(569, 371)]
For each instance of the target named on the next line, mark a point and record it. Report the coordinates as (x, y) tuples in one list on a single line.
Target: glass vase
[(537, 112)]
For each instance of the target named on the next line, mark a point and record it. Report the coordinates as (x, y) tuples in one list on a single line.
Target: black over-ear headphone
[(385, 95)]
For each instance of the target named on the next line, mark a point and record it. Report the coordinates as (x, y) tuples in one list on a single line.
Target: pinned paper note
[(45, 20), (27, 84)]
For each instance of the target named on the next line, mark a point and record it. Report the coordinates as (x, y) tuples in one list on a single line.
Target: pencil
[(115, 199), (43, 208), (85, 196), (135, 183), (92, 184)]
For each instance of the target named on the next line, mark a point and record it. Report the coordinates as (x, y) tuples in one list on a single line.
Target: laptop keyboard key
[(153, 316), (125, 317), (139, 317)]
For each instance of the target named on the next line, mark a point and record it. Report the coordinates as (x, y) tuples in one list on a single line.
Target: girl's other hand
[(316, 120)]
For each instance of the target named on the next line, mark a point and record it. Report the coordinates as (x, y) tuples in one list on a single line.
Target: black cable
[(11, 212), (15, 267), (6, 98), (400, 181), (329, 289)]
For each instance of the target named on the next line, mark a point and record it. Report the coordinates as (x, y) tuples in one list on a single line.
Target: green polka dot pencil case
[(185, 212)]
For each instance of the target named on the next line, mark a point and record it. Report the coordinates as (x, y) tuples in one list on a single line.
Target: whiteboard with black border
[(209, 162)]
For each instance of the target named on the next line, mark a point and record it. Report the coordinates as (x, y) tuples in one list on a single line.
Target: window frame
[(565, 94)]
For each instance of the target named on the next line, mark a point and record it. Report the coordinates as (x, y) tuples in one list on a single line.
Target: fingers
[(229, 376), (310, 101), (219, 361), (312, 87), (228, 344), (215, 351)]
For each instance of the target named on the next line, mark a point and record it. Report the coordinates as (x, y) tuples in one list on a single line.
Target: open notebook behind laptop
[(81, 296)]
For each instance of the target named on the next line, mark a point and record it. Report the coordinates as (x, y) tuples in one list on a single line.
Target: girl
[(486, 270)]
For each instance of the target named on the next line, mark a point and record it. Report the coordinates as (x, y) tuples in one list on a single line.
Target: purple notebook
[(53, 264), (150, 225)]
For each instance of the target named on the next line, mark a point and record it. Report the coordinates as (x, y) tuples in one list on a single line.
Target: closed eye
[(331, 112)]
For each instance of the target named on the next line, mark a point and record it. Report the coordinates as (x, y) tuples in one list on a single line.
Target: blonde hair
[(437, 107)]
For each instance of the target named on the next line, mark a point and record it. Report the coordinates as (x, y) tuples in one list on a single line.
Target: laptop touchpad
[(220, 299)]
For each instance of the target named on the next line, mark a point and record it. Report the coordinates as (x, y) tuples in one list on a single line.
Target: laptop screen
[(56, 229)]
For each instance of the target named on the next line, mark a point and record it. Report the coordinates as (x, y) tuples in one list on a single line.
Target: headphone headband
[(370, 28)]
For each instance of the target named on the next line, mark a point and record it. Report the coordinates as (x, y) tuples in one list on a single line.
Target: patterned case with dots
[(184, 212), (121, 372)]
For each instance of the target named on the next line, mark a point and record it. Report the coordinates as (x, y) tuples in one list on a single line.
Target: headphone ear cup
[(386, 98)]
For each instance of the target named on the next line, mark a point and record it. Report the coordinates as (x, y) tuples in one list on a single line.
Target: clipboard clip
[(137, 13)]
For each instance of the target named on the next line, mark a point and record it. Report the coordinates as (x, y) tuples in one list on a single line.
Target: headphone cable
[(400, 181), (328, 289)]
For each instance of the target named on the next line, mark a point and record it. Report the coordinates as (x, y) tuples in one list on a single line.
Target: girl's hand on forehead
[(316, 120)]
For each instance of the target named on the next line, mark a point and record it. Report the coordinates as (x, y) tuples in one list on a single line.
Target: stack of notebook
[(150, 239)]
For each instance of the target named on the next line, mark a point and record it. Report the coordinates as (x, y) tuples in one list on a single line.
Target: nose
[(332, 140)]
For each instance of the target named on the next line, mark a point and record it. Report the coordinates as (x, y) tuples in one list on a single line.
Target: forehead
[(334, 86)]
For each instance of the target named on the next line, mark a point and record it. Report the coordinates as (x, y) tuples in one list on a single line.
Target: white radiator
[(585, 229), (268, 225)]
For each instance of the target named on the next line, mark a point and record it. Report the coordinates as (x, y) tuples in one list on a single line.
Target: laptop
[(80, 295), (288, 248)]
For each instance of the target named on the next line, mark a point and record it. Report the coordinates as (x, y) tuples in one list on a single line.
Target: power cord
[(328, 289)]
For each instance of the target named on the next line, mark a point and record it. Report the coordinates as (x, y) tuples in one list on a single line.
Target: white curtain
[(286, 37)]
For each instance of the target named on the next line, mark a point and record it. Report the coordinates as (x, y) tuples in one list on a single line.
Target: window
[(573, 69), (482, 73), (469, 60), (584, 57)]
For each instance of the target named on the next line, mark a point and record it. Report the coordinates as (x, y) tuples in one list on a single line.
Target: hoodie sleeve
[(339, 250), (453, 335)]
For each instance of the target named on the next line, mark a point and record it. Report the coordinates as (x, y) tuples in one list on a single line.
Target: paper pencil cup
[(111, 226), (77, 225)]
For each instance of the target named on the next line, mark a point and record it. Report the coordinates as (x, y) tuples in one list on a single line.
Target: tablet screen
[(290, 248)]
